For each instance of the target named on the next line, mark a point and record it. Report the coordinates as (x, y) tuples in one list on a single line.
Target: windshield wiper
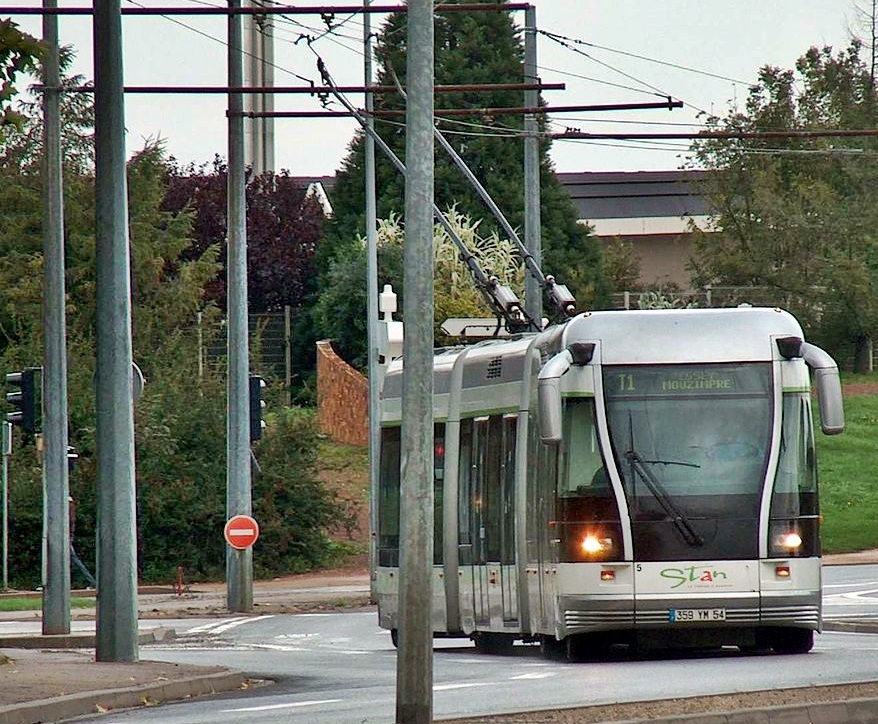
[(681, 522)]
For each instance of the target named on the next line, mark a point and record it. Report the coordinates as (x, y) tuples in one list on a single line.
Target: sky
[(702, 52)]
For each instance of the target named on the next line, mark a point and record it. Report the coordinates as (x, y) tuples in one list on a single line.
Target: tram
[(637, 477)]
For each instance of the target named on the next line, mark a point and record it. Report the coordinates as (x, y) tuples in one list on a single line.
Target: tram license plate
[(686, 615)]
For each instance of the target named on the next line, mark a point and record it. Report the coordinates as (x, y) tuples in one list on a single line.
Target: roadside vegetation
[(849, 494), (35, 603)]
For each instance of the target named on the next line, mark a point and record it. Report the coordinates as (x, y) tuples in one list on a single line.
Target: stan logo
[(692, 575)]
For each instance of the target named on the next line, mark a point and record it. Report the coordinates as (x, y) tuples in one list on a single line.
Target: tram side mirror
[(550, 410), (549, 396), (828, 385), (830, 400)]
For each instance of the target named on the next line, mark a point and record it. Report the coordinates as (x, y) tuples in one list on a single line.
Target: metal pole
[(533, 296), (117, 553), (414, 697), (56, 523), (372, 296), (5, 452), (239, 563)]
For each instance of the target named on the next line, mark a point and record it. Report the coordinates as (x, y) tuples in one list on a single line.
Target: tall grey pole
[(56, 523), (372, 295), (414, 671), (117, 554), (259, 71), (5, 452), (533, 299), (239, 563)]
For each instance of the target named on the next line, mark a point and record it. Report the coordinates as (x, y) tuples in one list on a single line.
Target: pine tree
[(471, 48)]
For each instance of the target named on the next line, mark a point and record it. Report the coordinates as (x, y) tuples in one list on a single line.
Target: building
[(650, 210)]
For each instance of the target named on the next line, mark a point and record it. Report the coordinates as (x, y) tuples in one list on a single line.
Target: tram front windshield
[(691, 445)]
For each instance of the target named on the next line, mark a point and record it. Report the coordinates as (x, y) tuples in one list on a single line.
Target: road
[(341, 668)]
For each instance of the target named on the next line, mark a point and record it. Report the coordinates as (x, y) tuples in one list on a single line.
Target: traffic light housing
[(257, 407), (27, 399)]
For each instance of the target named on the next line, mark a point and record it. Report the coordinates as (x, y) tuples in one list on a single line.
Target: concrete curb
[(867, 627), (72, 705), (75, 641), (861, 711)]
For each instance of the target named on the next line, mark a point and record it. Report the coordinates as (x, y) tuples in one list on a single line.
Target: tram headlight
[(787, 542), (592, 545)]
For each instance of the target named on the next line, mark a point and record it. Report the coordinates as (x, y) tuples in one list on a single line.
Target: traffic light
[(257, 406), (27, 399)]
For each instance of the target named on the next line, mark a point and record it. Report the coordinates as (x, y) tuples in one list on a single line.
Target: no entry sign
[(241, 532)]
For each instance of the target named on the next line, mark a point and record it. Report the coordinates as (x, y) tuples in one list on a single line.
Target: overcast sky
[(721, 45)]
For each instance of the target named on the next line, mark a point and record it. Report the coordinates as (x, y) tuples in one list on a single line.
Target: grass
[(848, 489), (35, 603)]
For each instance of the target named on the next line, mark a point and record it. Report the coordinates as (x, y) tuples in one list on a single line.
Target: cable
[(643, 57)]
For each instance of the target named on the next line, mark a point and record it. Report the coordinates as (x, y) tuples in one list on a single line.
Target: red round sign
[(241, 532)]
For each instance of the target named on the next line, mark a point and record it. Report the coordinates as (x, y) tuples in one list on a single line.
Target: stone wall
[(342, 398)]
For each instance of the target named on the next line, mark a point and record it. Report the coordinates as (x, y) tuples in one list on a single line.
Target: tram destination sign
[(688, 380)]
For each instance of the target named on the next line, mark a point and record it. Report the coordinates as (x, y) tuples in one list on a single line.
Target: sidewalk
[(48, 679)]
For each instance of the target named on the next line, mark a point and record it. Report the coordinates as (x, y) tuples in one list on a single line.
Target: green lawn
[(848, 479), (35, 603)]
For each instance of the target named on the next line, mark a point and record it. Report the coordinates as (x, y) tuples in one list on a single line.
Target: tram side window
[(465, 508), (438, 488), (795, 485), (583, 468), (510, 426), (388, 498)]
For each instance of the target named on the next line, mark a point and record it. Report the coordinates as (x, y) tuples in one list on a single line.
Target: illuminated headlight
[(592, 545), (790, 541)]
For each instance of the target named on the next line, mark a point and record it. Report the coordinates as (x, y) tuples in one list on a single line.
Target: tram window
[(438, 480), (388, 498), (583, 471), (508, 492), (465, 508), (795, 484)]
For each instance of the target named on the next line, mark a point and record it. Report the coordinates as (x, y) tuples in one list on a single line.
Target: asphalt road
[(341, 668)]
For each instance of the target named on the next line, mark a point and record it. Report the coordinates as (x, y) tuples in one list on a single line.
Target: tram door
[(487, 529)]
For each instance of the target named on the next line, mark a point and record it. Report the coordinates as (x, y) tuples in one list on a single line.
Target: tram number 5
[(626, 383)]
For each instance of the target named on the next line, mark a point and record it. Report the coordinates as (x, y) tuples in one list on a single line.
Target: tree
[(478, 47), (797, 216), (339, 309), (19, 53), (284, 225)]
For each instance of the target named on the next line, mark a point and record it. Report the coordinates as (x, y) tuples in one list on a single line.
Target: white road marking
[(449, 687), (268, 707), (533, 675), (225, 624)]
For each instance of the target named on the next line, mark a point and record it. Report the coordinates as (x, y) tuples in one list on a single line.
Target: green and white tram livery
[(642, 477)]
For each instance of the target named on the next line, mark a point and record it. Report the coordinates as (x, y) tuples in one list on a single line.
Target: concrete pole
[(259, 71), (414, 678), (239, 564), (372, 296), (533, 293), (56, 523), (117, 553)]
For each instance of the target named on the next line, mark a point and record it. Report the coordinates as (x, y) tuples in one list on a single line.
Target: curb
[(91, 702), (867, 627), (834, 712), (76, 641)]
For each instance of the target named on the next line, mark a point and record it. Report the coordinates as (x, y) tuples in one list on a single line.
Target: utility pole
[(116, 623), (414, 677), (56, 522), (372, 297), (259, 73), (533, 295), (239, 563)]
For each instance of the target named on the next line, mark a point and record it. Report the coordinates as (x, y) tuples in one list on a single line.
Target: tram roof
[(666, 336)]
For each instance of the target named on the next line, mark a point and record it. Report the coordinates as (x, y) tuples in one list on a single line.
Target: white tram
[(644, 477)]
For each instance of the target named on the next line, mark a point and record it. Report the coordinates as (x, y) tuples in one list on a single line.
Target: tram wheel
[(488, 642), (551, 648), (792, 640)]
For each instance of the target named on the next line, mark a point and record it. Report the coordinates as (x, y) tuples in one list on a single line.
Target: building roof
[(637, 194)]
